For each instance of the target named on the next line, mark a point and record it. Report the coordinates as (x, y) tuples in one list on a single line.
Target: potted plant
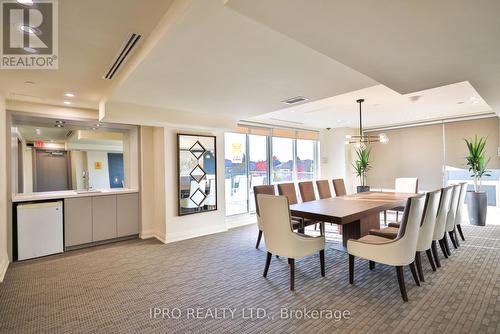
[(361, 166), (476, 199)]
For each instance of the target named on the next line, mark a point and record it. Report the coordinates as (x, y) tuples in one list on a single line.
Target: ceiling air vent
[(122, 55), (295, 100)]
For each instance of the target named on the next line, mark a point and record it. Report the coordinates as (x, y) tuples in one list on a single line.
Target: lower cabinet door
[(127, 211), (103, 217), (77, 221)]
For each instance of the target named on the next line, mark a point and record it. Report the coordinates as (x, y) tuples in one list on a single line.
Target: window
[(258, 166), (306, 160), (235, 176), (283, 162), (256, 159)]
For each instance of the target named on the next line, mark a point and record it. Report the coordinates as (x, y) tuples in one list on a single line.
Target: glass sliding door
[(235, 176), (258, 166), (306, 159), (283, 160)]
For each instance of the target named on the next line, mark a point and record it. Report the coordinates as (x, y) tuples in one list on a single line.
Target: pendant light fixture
[(363, 140)]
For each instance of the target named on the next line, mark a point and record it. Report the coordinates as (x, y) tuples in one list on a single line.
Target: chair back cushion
[(406, 185), (267, 189), (307, 191), (461, 215), (452, 213), (444, 207), (288, 190), (339, 187), (323, 189), (429, 220), (408, 233), (275, 215)]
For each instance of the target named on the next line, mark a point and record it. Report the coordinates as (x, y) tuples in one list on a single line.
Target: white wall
[(27, 169), (336, 157), (194, 225), (98, 178), (4, 259), (78, 166), (152, 183)]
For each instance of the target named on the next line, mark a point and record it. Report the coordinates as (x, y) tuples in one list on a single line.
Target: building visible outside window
[(252, 160)]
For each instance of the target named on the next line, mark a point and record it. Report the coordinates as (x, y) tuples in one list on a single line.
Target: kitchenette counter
[(16, 198)]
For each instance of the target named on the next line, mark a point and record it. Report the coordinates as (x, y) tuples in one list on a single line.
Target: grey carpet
[(111, 289)]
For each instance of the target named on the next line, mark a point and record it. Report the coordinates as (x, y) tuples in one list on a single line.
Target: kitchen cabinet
[(103, 217), (77, 221), (127, 211)]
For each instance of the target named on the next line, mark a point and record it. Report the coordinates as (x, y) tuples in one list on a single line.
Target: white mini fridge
[(39, 229)]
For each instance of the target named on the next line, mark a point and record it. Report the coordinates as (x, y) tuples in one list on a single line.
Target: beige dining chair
[(425, 232), (263, 189), (403, 185), (440, 226), (323, 189), (288, 190), (452, 215), (339, 187), (461, 214), (281, 240), (398, 252)]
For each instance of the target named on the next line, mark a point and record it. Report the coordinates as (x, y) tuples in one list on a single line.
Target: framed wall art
[(197, 173)]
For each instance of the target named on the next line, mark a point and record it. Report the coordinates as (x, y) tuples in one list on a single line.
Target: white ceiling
[(214, 60), (382, 107), (29, 133), (406, 45), (90, 35)]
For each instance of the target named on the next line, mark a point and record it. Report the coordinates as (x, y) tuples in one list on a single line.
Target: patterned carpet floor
[(117, 288)]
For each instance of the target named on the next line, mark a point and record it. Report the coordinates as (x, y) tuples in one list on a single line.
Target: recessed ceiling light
[(98, 124), (460, 102), (475, 101), (38, 131), (67, 102), (29, 82), (60, 122), (69, 94), (292, 110), (93, 129), (339, 120), (25, 2), (59, 125)]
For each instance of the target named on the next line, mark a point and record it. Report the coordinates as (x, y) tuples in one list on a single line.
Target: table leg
[(359, 228)]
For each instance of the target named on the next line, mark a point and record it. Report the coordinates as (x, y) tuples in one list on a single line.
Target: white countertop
[(69, 194)]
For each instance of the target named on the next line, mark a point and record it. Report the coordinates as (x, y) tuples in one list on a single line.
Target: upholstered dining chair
[(461, 215), (288, 190), (263, 189), (323, 189), (424, 234), (281, 240), (440, 226), (403, 185), (398, 252), (452, 215), (307, 194), (339, 187)]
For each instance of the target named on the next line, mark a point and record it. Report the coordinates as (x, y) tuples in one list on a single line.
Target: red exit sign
[(39, 144)]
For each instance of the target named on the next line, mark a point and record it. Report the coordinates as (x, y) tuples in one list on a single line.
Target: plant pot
[(477, 204), (362, 189)]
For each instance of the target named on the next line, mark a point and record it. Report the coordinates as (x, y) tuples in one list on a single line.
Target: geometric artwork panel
[(197, 173)]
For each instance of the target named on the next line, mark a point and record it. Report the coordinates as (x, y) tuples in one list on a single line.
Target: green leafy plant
[(362, 164), (476, 160)]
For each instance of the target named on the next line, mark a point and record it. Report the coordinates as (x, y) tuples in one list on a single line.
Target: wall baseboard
[(4, 264), (240, 220), (173, 237), (153, 234)]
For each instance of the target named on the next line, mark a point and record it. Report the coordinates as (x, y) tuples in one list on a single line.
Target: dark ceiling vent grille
[(122, 55), (295, 100)]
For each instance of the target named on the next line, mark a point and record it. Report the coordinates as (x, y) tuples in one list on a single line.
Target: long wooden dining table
[(356, 213)]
